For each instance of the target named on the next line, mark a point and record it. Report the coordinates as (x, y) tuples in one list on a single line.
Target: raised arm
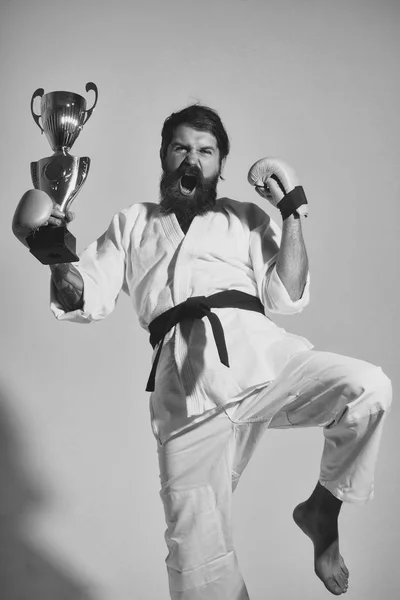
[(292, 263), (276, 181)]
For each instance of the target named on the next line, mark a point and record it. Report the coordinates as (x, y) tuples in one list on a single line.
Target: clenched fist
[(276, 181), (36, 209)]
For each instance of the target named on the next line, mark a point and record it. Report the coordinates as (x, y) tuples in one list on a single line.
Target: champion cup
[(62, 117)]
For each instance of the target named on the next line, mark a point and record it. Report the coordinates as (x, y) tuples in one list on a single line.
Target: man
[(201, 272)]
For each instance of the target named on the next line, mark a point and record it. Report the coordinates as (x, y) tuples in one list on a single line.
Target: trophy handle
[(91, 86), (38, 92), (34, 175)]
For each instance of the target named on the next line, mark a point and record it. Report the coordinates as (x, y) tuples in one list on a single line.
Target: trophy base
[(51, 245)]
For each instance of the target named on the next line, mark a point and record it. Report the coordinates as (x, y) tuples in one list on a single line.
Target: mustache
[(170, 179), (186, 169)]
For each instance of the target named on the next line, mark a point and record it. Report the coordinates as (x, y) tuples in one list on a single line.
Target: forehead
[(188, 136)]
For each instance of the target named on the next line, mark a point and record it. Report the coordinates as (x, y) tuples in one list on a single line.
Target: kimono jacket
[(233, 247)]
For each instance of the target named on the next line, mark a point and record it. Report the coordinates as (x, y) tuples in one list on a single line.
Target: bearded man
[(202, 273)]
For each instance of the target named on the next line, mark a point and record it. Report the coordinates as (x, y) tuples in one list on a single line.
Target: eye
[(207, 151)]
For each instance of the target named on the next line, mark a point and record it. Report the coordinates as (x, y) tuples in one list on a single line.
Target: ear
[(222, 167)]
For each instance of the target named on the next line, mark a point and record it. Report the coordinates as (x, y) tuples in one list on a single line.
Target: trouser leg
[(349, 398), (352, 439), (196, 490)]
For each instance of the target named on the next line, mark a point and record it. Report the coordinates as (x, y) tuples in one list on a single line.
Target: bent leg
[(349, 398), (196, 490)]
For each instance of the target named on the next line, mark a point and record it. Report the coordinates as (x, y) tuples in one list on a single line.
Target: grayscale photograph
[(199, 255)]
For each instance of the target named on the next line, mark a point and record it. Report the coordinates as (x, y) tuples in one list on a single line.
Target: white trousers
[(200, 468)]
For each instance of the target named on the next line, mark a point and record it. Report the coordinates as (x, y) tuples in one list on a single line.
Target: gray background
[(314, 82)]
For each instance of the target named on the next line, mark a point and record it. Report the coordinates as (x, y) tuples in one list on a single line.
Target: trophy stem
[(61, 176)]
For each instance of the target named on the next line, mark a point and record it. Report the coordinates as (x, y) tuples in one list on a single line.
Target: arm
[(276, 181), (68, 283), (267, 247), (102, 267), (292, 264)]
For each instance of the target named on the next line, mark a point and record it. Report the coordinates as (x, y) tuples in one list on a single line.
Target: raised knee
[(375, 383)]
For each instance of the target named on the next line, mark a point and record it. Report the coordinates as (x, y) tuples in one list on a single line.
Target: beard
[(186, 206)]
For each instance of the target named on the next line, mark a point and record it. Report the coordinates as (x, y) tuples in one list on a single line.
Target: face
[(195, 148), (191, 171)]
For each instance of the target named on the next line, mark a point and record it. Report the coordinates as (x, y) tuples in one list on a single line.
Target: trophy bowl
[(63, 115)]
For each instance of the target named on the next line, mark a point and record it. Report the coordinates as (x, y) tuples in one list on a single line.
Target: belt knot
[(195, 307)]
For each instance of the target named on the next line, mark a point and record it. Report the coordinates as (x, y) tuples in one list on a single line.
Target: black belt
[(197, 308)]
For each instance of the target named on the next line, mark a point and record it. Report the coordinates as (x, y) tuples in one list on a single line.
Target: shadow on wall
[(26, 573)]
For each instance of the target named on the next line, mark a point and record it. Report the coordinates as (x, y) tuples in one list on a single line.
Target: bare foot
[(322, 528)]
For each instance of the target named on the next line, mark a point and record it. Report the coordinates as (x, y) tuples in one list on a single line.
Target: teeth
[(185, 190)]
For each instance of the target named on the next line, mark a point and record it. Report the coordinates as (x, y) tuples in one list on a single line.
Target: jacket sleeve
[(265, 239), (102, 267)]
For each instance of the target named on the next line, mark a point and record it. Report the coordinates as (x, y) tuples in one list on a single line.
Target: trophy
[(61, 176)]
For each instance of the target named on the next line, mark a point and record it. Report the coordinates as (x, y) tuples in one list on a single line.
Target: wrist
[(293, 223), (293, 203)]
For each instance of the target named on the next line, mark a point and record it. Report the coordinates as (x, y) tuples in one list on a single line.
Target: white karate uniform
[(146, 254), (275, 379)]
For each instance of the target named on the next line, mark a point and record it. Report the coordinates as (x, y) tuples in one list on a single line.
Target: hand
[(36, 209), (274, 180), (58, 218)]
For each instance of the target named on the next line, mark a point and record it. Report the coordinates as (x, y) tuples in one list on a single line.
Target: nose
[(192, 158)]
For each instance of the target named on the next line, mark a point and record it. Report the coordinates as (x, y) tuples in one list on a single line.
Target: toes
[(333, 586), (343, 583), (337, 584)]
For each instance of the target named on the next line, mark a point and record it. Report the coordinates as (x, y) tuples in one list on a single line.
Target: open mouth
[(188, 184)]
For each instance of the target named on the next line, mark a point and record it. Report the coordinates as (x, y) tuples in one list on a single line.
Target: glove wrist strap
[(292, 201)]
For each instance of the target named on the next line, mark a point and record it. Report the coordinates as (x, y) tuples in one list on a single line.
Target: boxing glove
[(276, 181), (33, 211)]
